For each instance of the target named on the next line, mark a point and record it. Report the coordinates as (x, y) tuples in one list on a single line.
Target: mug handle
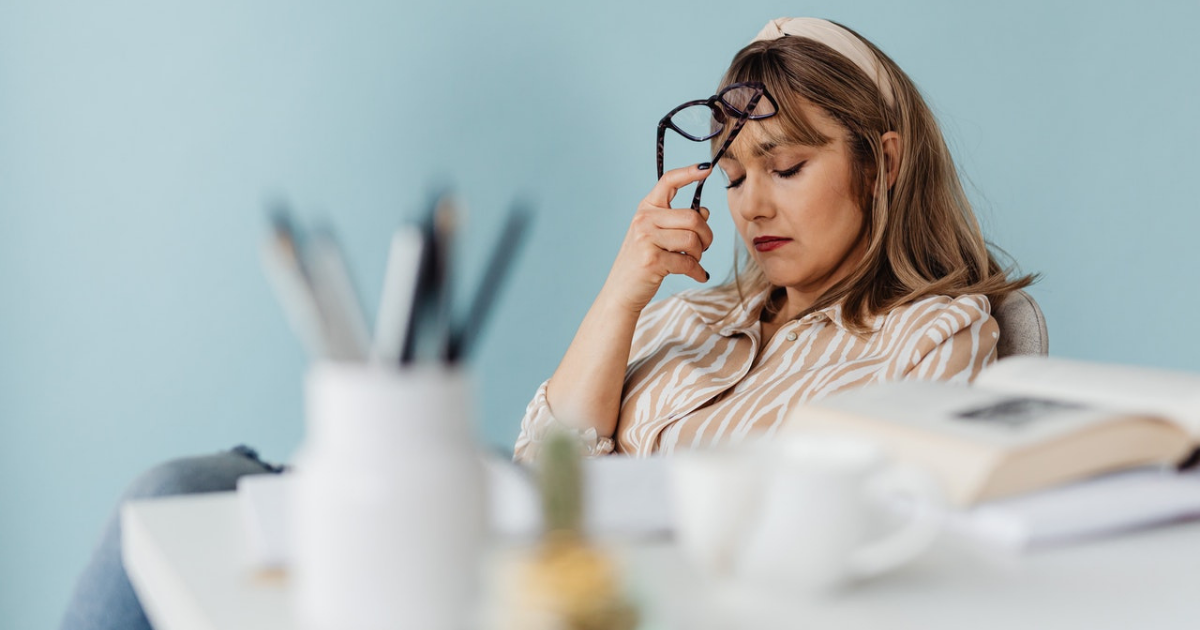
[(922, 528)]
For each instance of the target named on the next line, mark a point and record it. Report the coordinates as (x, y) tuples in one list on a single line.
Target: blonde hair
[(922, 236)]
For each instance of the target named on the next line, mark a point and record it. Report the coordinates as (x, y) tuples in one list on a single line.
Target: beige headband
[(837, 38)]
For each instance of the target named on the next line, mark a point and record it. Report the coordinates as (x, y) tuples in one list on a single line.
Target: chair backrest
[(1022, 326)]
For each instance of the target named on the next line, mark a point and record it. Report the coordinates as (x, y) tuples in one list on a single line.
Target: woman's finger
[(671, 181), (683, 219), (684, 264), (708, 237), (684, 242)]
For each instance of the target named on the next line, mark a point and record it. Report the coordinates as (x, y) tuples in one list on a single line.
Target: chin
[(781, 282), (776, 278)]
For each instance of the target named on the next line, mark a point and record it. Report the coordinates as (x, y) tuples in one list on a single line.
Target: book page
[(1130, 389), (995, 419)]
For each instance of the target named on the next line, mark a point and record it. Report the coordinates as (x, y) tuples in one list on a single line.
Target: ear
[(893, 149)]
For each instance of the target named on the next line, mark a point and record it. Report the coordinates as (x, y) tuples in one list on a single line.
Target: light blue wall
[(138, 139)]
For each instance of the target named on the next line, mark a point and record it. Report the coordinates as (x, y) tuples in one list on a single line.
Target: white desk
[(185, 558)]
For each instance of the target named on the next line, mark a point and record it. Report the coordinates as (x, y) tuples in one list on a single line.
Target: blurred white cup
[(798, 515), (388, 502)]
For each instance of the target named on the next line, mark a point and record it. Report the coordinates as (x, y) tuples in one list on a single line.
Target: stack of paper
[(1104, 505)]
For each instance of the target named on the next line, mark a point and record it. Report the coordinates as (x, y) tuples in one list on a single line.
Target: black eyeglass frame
[(720, 109)]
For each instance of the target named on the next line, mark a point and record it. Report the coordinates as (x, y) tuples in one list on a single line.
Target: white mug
[(796, 515), (388, 500)]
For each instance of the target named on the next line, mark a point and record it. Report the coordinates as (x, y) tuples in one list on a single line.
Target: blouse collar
[(722, 311)]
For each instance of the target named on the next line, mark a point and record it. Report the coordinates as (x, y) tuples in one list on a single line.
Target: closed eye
[(791, 171), (734, 183)]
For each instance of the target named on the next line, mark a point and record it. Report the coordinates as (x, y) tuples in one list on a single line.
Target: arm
[(585, 391)]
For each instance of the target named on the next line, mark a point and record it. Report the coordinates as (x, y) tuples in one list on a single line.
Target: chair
[(1022, 326)]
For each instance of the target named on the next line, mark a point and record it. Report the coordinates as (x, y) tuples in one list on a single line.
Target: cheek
[(840, 224), (832, 205), (735, 204)]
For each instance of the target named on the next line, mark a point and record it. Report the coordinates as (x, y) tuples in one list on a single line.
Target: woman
[(865, 263)]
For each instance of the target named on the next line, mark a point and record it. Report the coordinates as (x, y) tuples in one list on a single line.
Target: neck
[(793, 301), (783, 304)]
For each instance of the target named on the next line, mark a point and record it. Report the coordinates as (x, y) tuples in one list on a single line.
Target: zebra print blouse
[(697, 376)]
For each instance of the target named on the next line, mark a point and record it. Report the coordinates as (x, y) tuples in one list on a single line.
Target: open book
[(1027, 423)]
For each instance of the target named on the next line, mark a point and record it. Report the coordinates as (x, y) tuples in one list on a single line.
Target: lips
[(768, 243)]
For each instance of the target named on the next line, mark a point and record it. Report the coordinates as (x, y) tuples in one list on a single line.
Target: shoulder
[(925, 324), (954, 336), (953, 313)]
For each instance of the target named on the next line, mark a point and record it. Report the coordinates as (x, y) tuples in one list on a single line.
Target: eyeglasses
[(704, 119)]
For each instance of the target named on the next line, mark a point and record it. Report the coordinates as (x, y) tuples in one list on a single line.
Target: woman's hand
[(661, 241), (585, 391)]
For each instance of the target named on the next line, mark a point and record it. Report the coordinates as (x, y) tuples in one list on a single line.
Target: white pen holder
[(388, 506)]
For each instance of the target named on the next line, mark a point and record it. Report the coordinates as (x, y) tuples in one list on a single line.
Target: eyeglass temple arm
[(662, 137), (696, 197), (737, 128)]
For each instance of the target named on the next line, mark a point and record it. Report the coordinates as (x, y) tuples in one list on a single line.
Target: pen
[(345, 324), (400, 284), (427, 326), (285, 268), (504, 252), (445, 224)]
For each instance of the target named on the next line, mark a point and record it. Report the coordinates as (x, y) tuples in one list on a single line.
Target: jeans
[(103, 598)]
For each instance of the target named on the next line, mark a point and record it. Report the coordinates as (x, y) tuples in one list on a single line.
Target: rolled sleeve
[(539, 422)]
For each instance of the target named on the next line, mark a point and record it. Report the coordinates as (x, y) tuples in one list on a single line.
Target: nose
[(754, 201)]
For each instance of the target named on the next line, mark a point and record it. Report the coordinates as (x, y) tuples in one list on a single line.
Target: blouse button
[(791, 336)]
